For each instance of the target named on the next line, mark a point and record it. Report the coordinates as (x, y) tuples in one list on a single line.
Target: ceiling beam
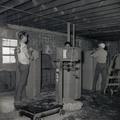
[(101, 22), (101, 8), (90, 9), (81, 8), (83, 25), (69, 5), (3, 1), (37, 15), (99, 27), (101, 36), (99, 32), (11, 4), (98, 16), (29, 6), (49, 6)]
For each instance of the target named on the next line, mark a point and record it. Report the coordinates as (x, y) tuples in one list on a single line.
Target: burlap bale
[(6, 104), (73, 106), (22, 118)]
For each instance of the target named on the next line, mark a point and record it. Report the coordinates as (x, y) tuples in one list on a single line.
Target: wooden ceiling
[(99, 19)]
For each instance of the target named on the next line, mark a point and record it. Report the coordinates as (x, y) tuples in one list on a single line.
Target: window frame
[(7, 46)]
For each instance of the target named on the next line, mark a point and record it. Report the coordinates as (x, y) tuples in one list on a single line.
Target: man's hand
[(31, 58), (18, 50)]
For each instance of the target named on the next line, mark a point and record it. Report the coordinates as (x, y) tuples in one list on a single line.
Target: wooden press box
[(71, 79), (88, 72)]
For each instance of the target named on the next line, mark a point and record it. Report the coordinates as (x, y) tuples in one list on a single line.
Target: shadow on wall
[(7, 80)]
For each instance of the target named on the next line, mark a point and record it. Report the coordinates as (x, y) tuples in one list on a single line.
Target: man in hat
[(23, 62), (101, 56)]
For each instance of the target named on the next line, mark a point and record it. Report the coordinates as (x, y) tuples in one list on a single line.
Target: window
[(8, 47)]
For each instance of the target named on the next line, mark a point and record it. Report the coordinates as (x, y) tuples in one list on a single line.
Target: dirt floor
[(95, 107)]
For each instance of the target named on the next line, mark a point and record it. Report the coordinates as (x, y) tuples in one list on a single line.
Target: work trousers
[(22, 76), (100, 69)]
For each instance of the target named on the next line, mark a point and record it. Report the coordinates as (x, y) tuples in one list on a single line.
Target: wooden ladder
[(113, 78)]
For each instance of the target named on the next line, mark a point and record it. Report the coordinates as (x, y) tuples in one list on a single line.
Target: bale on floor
[(6, 104)]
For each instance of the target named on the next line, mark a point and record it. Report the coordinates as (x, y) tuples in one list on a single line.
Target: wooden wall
[(44, 40), (86, 44)]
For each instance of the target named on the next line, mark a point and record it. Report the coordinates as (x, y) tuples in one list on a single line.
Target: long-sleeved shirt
[(23, 55)]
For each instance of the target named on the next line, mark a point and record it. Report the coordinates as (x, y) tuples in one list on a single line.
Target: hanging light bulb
[(76, 17), (42, 7), (62, 12), (55, 9), (101, 3), (84, 19), (73, 10), (35, 3)]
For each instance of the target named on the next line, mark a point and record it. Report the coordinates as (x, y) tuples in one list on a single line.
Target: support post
[(68, 31), (73, 44)]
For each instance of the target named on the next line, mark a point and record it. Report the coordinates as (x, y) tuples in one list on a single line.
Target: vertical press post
[(73, 42), (68, 31)]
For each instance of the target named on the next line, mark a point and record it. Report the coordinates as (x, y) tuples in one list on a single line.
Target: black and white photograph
[(59, 60)]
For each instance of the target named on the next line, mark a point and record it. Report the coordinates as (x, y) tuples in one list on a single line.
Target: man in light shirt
[(67, 50), (23, 62), (101, 56)]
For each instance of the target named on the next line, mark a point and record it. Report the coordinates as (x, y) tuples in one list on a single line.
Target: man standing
[(101, 56), (23, 61)]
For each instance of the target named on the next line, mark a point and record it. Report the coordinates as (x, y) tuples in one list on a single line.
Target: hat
[(21, 34), (102, 45)]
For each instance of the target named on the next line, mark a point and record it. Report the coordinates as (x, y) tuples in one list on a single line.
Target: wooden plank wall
[(39, 39)]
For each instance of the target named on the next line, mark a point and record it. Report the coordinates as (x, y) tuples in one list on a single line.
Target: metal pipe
[(68, 31), (73, 36)]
